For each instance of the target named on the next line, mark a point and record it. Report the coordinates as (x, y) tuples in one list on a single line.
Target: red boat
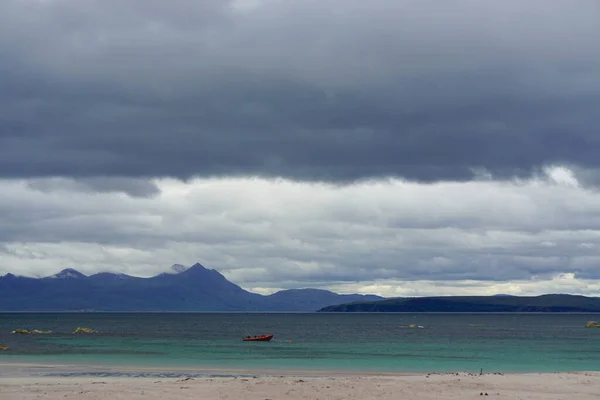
[(262, 338)]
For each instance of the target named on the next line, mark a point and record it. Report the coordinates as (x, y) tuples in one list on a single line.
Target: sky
[(396, 147)]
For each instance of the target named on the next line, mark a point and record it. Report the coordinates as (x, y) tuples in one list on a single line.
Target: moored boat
[(262, 338)]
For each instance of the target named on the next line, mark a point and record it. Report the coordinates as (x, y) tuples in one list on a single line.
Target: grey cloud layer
[(333, 90)]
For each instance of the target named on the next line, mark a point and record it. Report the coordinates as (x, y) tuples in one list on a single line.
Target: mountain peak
[(177, 269), (196, 268), (68, 273)]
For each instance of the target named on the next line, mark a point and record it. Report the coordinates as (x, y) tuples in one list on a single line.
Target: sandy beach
[(572, 386)]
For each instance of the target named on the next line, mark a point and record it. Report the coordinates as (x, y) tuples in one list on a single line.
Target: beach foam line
[(98, 370)]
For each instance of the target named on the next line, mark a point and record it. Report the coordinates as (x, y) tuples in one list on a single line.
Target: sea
[(156, 344)]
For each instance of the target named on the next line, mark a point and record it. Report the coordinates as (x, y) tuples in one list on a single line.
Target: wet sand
[(292, 385)]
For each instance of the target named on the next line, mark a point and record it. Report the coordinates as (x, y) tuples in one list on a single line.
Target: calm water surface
[(341, 342)]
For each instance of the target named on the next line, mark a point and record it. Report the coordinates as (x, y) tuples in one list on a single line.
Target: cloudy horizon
[(395, 147)]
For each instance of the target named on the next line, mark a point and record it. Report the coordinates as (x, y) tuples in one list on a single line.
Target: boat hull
[(263, 338)]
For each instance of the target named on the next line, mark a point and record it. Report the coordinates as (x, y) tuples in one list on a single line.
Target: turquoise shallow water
[(336, 342)]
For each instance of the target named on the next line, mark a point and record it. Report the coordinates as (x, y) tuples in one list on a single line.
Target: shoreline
[(54, 370)]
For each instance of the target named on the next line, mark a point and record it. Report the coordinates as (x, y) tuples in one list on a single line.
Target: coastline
[(52, 369), (293, 385)]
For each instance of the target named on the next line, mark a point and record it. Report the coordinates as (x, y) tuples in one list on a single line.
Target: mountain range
[(182, 289)]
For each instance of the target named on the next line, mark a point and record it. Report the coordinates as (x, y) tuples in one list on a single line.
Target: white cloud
[(385, 236)]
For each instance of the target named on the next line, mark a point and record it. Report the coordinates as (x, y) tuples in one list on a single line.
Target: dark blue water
[(340, 342)]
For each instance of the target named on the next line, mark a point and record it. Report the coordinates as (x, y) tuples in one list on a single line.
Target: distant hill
[(181, 289), (312, 299), (544, 303)]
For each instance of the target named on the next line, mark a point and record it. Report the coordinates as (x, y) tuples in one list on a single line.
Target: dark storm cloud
[(310, 90), (131, 187)]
